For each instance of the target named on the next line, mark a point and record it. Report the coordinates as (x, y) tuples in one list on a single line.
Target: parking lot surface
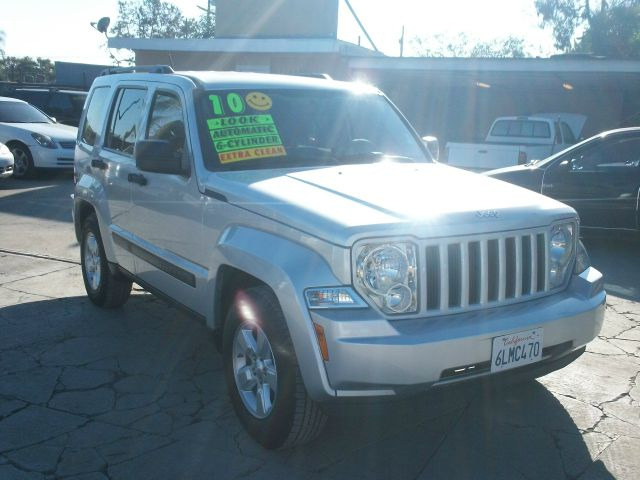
[(139, 392)]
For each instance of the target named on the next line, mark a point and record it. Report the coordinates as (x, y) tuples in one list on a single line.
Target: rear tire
[(262, 373), (104, 288), (22, 161)]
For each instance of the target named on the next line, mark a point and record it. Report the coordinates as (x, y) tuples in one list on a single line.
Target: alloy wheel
[(92, 261), (254, 369)]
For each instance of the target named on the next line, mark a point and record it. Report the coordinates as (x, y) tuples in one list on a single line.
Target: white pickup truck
[(517, 140)]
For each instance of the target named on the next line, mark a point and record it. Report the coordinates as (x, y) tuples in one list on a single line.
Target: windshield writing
[(290, 128)]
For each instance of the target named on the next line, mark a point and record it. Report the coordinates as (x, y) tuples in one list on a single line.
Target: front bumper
[(6, 165), (371, 356), (52, 157)]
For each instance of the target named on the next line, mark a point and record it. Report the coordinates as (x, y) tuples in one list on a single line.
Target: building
[(455, 99)]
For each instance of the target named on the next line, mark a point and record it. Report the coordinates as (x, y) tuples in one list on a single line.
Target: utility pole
[(401, 42), (208, 10), (355, 16)]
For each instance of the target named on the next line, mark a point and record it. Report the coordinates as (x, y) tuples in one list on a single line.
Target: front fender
[(288, 268)]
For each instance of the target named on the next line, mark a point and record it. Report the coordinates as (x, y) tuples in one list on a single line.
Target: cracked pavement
[(139, 392)]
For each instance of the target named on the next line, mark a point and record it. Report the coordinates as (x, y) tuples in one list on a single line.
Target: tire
[(104, 288), (22, 161), (293, 418)]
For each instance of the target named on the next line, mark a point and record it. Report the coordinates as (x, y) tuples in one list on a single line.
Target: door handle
[(99, 164), (483, 151), (137, 178)]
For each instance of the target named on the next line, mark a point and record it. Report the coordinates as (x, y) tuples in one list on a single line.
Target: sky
[(61, 30)]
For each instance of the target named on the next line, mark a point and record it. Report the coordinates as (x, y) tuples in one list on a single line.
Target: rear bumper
[(371, 356)]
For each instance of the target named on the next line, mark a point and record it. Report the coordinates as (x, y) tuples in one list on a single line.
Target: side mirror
[(432, 145), (158, 156), (55, 120), (564, 166)]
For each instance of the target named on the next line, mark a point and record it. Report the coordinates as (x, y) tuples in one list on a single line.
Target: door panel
[(600, 180), (167, 212), (115, 160)]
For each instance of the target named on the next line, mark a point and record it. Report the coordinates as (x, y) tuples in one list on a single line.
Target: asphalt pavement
[(138, 393)]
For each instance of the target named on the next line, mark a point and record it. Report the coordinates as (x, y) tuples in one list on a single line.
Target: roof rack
[(138, 69), (5, 86), (325, 76)]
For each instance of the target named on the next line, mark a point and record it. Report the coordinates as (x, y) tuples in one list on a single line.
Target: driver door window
[(166, 123), (612, 156)]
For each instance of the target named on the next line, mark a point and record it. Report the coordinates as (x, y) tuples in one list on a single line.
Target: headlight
[(386, 274), (561, 243), (582, 259), (44, 140)]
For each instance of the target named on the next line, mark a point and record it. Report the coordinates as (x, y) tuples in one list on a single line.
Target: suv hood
[(344, 203), (56, 131)]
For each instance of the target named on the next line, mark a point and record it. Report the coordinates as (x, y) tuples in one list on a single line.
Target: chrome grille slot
[(455, 275), (510, 267), (474, 273), (497, 269), (433, 278)]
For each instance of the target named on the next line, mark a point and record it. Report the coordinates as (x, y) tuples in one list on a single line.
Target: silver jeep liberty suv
[(307, 224)]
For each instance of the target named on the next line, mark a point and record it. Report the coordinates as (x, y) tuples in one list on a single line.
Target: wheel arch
[(229, 280), (82, 210), (287, 268), (17, 142)]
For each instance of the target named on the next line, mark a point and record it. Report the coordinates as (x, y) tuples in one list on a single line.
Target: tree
[(609, 28), (26, 69), (2, 37), (159, 19), (461, 46), (613, 32)]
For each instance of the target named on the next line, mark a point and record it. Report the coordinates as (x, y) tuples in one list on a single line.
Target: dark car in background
[(65, 105), (599, 177)]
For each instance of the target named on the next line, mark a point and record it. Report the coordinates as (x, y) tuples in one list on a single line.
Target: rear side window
[(521, 128), (125, 120), (94, 119)]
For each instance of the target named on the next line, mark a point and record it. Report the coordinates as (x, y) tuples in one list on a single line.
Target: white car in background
[(34, 138), (6, 161)]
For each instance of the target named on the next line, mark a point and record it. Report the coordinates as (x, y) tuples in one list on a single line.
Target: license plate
[(516, 350)]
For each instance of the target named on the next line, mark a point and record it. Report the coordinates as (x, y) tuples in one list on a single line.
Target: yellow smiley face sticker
[(258, 101)]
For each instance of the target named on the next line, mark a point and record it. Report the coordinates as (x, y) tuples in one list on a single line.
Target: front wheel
[(262, 374), (22, 161), (105, 288)]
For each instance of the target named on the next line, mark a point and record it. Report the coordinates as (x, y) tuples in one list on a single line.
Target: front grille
[(464, 274), (6, 169), (64, 161), (70, 145)]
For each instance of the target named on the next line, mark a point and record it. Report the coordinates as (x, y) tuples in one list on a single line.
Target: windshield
[(259, 129), (20, 112)]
